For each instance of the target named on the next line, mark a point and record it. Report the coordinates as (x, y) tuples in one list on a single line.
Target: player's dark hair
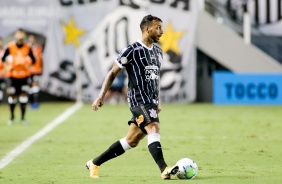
[(21, 30), (147, 20)]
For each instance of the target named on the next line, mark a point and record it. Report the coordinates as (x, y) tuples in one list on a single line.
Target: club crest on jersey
[(123, 60), (151, 72), (140, 119), (153, 113)]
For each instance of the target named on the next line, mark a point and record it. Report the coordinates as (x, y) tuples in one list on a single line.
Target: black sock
[(12, 110), (23, 108), (113, 151), (157, 153)]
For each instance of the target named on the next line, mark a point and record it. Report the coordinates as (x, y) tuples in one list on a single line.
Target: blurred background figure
[(36, 71), (18, 57), (2, 72), (117, 93)]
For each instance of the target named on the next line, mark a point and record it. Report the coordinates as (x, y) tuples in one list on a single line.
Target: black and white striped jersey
[(143, 68)]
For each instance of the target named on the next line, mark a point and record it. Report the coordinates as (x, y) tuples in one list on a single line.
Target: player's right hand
[(97, 103)]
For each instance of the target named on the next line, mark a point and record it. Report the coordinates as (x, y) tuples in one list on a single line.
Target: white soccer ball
[(188, 168)]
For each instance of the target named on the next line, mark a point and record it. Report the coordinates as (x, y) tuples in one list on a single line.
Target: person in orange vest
[(36, 71), (2, 72), (19, 58)]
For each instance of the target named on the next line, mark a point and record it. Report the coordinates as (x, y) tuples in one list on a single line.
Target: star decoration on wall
[(72, 33), (169, 40)]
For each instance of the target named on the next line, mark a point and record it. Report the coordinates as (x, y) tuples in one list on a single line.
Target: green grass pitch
[(230, 144)]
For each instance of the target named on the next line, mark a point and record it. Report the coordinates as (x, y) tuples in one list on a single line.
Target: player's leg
[(12, 99), (124, 93), (131, 140), (23, 98), (149, 121), (34, 92), (110, 96), (155, 148), (154, 145)]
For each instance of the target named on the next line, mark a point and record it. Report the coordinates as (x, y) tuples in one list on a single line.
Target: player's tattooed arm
[(99, 102), (106, 84), (109, 80)]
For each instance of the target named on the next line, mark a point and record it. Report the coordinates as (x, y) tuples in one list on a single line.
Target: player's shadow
[(175, 179)]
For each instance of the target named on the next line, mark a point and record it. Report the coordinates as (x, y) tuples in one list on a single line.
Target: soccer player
[(19, 58), (36, 71), (142, 61)]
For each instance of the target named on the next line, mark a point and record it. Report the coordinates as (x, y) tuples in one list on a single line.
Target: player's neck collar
[(140, 41)]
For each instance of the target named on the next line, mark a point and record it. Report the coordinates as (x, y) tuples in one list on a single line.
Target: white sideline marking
[(28, 142)]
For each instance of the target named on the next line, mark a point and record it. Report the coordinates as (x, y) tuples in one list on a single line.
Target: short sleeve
[(125, 56)]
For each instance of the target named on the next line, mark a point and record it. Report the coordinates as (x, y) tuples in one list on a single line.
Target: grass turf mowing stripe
[(28, 142)]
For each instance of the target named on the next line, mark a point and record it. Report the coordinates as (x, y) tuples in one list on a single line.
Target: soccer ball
[(188, 168)]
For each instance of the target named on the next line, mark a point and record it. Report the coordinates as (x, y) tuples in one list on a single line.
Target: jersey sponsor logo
[(140, 119), (151, 72), (153, 113), (152, 67)]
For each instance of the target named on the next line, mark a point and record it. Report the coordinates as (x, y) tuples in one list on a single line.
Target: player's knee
[(23, 99), (152, 128), (133, 142), (12, 100)]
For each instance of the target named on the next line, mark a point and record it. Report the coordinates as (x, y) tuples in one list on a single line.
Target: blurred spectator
[(36, 71), (19, 58), (118, 90), (2, 72)]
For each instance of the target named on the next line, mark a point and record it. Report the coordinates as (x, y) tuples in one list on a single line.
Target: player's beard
[(156, 39)]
